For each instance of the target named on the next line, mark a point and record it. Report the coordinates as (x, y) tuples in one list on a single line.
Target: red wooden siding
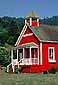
[(34, 23), (45, 54), (29, 39), (28, 31)]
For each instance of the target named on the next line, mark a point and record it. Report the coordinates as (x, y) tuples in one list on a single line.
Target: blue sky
[(21, 8)]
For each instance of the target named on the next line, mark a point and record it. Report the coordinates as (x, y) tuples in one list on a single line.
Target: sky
[(21, 8)]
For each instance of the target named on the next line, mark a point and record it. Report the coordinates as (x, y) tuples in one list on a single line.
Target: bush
[(52, 70), (45, 72), (4, 56), (17, 70), (4, 69)]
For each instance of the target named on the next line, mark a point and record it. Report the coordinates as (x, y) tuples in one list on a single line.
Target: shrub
[(4, 69), (45, 72), (17, 70), (52, 70)]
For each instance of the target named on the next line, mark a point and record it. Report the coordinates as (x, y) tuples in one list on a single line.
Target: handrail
[(21, 60), (28, 61)]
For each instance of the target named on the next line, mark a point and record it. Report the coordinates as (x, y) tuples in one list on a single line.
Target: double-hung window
[(51, 54)]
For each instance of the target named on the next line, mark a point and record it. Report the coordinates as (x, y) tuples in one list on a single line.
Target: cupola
[(32, 19)]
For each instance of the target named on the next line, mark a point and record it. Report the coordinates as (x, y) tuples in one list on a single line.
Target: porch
[(27, 54)]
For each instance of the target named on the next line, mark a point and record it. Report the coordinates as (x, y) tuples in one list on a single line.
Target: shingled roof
[(46, 33)]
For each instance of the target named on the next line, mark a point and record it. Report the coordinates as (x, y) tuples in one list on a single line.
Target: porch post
[(38, 55), (41, 53), (30, 56), (30, 21), (17, 54), (12, 59)]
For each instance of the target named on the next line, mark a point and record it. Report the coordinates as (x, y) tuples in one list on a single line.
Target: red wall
[(29, 39), (34, 23), (45, 54), (28, 31)]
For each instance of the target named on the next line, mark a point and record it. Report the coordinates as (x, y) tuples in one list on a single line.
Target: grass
[(28, 79)]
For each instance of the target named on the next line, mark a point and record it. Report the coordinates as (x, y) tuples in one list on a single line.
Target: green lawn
[(28, 79)]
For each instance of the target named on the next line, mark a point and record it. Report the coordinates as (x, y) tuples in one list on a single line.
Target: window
[(51, 54)]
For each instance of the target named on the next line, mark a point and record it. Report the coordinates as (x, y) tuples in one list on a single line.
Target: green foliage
[(17, 70), (10, 28), (50, 21), (52, 70), (4, 56), (45, 72)]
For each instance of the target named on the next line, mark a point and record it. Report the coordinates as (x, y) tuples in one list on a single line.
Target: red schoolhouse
[(36, 47)]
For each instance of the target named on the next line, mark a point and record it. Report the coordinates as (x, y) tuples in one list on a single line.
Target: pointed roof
[(32, 14)]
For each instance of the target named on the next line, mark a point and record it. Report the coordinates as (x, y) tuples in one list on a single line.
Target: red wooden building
[(36, 47)]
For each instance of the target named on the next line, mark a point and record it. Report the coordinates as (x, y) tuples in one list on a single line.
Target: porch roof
[(28, 45)]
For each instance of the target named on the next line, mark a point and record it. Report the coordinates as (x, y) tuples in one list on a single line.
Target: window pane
[(51, 53)]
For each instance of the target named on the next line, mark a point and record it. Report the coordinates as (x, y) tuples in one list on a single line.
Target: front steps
[(28, 68)]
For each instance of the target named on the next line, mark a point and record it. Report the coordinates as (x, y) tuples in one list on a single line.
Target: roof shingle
[(46, 33)]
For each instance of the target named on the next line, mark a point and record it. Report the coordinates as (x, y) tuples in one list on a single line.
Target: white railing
[(8, 67), (28, 61), (14, 62)]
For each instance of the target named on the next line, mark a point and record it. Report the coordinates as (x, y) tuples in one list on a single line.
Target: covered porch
[(27, 54)]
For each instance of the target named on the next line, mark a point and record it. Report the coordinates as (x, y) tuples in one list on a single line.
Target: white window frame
[(51, 60)]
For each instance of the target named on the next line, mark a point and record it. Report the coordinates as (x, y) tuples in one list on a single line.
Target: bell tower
[(32, 19)]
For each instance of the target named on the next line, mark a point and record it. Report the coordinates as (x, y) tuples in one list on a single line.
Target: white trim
[(38, 55), (30, 21), (34, 46), (51, 60), (26, 35), (25, 21), (49, 41), (29, 43), (37, 22), (20, 37), (13, 68), (41, 53)]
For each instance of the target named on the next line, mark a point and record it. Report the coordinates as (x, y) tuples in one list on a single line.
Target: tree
[(4, 56)]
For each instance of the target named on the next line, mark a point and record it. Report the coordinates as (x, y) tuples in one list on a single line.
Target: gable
[(27, 37)]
